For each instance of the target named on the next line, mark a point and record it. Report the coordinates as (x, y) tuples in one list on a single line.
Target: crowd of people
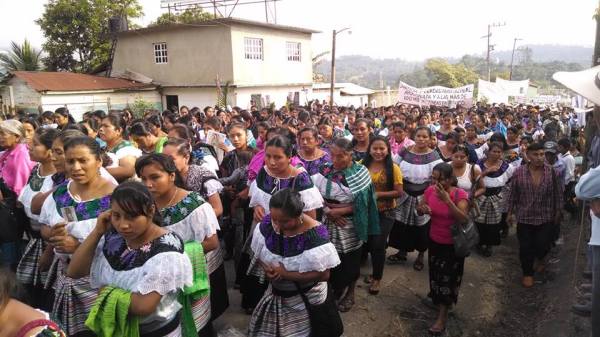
[(120, 225)]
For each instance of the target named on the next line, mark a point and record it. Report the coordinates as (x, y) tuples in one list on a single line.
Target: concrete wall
[(323, 95), (24, 98), (78, 104), (384, 97), (338, 98), (274, 69), (270, 94), (195, 55), (192, 97), (201, 97)]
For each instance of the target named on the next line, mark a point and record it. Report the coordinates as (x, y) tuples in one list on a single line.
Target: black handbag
[(14, 221), (464, 236), (325, 320)]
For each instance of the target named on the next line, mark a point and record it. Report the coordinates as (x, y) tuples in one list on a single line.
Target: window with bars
[(160, 53), (253, 48), (293, 51)]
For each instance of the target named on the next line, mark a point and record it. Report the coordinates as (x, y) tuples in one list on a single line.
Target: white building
[(344, 94), (261, 61), (34, 91)]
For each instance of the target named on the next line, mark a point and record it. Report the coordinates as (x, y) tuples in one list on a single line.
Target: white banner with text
[(437, 95)]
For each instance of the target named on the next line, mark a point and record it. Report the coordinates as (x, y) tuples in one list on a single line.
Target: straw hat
[(586, 82)]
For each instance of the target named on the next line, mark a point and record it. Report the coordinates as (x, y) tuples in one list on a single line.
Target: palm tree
[(21, 57)]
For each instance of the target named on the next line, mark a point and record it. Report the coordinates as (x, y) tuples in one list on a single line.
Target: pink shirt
[(397, 147), (258, 161), (15, 167), (441, 216)]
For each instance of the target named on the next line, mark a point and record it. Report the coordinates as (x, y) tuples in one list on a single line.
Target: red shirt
[(441, 215)]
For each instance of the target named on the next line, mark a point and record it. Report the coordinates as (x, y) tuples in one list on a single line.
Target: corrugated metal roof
[(350, 89), (220, 21), (355, 90), (65, 81)]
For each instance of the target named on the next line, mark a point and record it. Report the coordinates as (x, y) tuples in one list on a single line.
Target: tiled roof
[(66, 81)]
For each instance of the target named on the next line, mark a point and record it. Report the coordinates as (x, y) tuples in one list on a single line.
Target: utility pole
[(512, 58), (489, 34), (332, 84), (332, 77), (596, 59), (266, 12), (490, 47)]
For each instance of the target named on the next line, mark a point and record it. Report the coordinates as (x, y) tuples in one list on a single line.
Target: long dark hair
[(155, 120), (163, 161), (369, 125), (283, 143), (139, 128), (182, 145), (65, 113), (135, 199), (446, 172), (289, 201), (86, 141), (389, 163), (46, 136), (117, 120)]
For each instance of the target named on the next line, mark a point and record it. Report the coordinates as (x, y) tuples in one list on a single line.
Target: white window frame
[(294, 51), (160, 53), (254, 48)]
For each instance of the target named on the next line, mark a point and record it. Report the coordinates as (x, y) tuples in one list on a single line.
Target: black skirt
[(347, 271), (445, 273), (489, 234), (219, 299), (252, 287), (409, 238)]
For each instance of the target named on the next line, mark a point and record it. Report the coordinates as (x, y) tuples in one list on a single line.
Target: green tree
[(21, 57), (77, 32), (190, 15), (449, 75), (139, 107)]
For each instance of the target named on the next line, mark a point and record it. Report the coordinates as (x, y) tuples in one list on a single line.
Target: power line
[(225, 8)]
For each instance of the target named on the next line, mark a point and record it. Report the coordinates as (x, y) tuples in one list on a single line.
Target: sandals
[(375, 287), (396, 259), (346, 304), (436, 332), (418, 265)]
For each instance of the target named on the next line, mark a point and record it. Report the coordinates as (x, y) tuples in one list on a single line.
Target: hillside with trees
[(379, 73)]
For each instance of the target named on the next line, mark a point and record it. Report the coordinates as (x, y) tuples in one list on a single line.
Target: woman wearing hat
[(15, 168)]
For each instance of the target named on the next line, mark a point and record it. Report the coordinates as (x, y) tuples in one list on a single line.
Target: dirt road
[(491, 304)]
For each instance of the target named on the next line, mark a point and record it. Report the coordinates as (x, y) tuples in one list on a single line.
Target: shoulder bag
[(464, 236), (325, 320), (474, 211), (14, 221)]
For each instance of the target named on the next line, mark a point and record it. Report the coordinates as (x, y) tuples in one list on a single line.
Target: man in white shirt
[(568, 160), (588, 188), (585, 83)]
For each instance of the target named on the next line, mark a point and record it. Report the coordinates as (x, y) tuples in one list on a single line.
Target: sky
[(410, 30)]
